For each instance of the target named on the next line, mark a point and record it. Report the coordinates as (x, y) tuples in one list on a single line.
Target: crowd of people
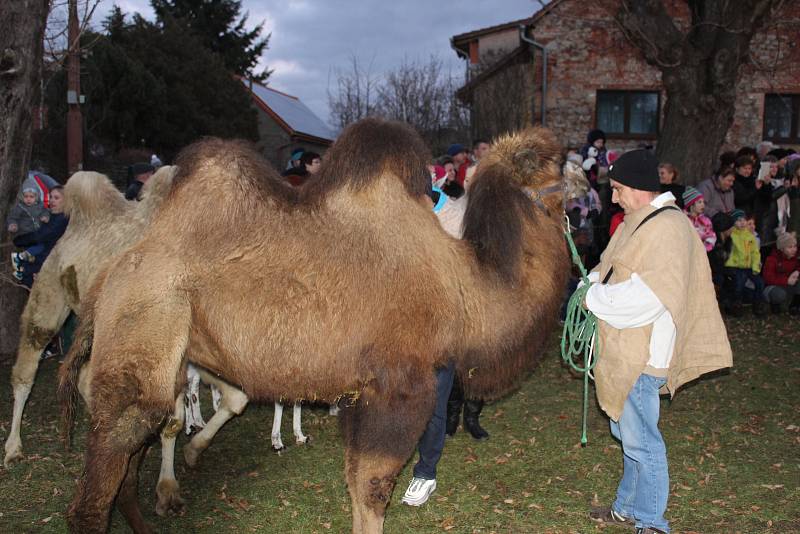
[(747, 214)]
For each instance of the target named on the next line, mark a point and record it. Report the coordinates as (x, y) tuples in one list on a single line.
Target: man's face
[(790, 251), (460, 158), (665, 176), (741, 223), (726, 182), (144, 176), (28, 198), (745, 170), (628, 198), (699, 207), (599, 143), (480, 150), (313, 167)]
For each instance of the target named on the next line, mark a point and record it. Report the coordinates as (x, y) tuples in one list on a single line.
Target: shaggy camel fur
[(102, 223), (349, 287)]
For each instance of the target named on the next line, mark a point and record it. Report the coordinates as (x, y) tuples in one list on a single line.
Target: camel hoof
[(13, 456), (190, 455), (303, 440), (169, 498), (278, 449)]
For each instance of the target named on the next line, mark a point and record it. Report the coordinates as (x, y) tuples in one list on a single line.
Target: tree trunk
[(700, 70), (21, 43)]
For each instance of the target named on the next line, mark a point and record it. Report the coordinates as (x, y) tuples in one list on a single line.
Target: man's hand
[(793, 278), (45, 218), (12, 228)]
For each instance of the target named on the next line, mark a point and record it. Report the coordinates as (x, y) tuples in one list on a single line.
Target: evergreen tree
[(218, 26)]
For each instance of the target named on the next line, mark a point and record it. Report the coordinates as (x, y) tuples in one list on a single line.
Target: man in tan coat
[(659, 327)]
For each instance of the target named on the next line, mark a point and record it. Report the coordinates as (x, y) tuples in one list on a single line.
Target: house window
[(782, 118), (628, 113)]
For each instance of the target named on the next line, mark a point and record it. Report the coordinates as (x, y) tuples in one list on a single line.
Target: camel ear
[(526, 161)]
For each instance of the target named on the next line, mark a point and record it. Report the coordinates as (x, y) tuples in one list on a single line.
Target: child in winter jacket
[(26, 217), (695, 204), (744, 264), (781, 273)]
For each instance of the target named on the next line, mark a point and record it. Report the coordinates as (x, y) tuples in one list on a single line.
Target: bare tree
[(21, 43), (421, 94), (355, 96), (699, 69)]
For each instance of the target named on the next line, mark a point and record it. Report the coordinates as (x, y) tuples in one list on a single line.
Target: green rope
[(579, 328)]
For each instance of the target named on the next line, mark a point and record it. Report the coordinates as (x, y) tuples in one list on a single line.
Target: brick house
[(285, 123), (594, 78)]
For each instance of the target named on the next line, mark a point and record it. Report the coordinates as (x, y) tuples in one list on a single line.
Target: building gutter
[(525, 38)]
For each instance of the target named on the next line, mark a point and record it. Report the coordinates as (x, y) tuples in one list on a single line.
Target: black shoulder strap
[(656, 212)]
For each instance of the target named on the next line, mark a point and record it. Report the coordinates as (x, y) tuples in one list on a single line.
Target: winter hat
[(594, 135), (721, 222), (690, 196), (737, 214), (785, 240), (455, 148), (31, 190), (637, 169)]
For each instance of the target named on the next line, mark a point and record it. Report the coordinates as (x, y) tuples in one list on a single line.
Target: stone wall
[(587, 52)]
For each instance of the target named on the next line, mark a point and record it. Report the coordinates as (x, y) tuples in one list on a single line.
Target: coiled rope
[(578, 336)]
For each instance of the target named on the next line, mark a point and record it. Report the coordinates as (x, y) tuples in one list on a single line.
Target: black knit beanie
[(637, 169)]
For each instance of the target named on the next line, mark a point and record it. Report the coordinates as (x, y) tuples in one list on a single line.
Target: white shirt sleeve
[(628, 304)]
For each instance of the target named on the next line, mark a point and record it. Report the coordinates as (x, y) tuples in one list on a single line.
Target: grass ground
[(733, 442)]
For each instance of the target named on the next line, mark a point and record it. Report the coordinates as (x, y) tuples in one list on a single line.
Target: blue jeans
[(431, 444), (740, 278), (644, 488)]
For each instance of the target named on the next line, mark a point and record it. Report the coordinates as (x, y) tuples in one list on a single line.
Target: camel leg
[(127, 501), (380, 435), (111, 444), (277, 443), (194, 417), (168, 489), (41, 320), (233, 402), (216, 397), (297, 424)]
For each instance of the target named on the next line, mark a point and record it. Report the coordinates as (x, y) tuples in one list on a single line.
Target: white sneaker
[(419, 491)]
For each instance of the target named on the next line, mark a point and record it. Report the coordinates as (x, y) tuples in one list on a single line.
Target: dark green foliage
[(153, 86), (217, 25)]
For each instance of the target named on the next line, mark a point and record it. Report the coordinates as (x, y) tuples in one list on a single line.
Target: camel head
[(516, 187), (88, 195)]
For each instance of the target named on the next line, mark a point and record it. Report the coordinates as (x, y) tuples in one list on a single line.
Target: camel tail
[(69, 373)]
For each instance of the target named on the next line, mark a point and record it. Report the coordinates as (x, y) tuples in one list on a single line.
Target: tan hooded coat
[(667, 255)]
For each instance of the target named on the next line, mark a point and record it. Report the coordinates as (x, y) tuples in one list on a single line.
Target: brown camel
[(349, 287)]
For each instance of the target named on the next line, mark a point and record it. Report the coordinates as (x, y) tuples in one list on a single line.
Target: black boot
[(454, 408), (472, 412)]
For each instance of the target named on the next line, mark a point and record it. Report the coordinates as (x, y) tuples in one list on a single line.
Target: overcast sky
[(312, 38)]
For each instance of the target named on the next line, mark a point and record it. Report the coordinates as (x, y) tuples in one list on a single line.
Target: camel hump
[(157, 187), (369, 149), (530, 158), (231, 172), (88, 195)]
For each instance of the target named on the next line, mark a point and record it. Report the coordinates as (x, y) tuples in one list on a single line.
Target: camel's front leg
[(297, 421), (380, 432), (233, 402), (168, 490), (41, 320), (277, 443), (194, 417)]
